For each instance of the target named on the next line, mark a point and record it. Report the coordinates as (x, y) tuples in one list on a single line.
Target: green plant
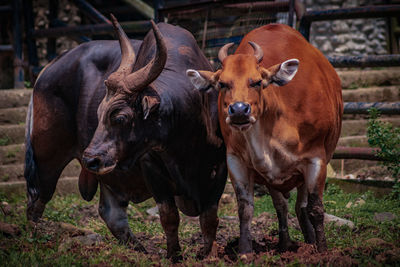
[(386, 137), (4, 141)]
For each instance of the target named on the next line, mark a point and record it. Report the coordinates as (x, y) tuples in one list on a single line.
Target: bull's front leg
[(208, 223), (315, 176), (302, 214), (169, 217), (243, 183), (113, 211), (281, 207)]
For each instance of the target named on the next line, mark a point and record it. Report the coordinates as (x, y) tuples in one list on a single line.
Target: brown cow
[(277, 133)]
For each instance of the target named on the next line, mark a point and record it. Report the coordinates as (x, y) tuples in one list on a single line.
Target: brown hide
[(304, 116)]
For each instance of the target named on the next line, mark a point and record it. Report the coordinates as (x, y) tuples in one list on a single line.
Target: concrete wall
[(347, 37)]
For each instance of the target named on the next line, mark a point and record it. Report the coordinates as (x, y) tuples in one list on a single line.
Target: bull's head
[(128, 113), (241, 82)]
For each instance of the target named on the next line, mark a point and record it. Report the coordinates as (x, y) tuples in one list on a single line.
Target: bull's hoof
[(35, 211), (137, 246), (322, 247), (175, 258), (208, 250), (287, 245)]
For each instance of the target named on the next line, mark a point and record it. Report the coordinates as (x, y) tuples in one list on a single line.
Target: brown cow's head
[(240, 83), (128, 113)]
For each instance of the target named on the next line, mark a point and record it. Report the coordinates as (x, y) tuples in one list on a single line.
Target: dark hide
[(62, 118)]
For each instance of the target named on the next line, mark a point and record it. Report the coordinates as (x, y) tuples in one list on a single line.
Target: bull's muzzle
[(97, 164), (239, 115)]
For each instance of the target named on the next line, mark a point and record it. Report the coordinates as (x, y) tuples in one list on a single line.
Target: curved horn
[(223, 52), (144, 76), (258, 52), (127, 52)]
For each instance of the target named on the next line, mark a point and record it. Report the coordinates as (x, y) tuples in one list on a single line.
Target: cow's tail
[(30, 171)]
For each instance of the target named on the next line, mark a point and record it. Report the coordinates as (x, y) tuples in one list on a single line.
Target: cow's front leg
[(302, 214), (169, 218), (281, 207), (113, 211), (208, 223), (315, 176), (243, 183)]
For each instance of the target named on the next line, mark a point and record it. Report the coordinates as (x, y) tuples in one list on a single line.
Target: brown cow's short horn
[(143, 77), (127, 52), (223, 52), (258, 52)]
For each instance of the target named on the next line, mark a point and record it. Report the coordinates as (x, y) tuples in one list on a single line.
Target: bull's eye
[(223, 85), (256, 84), (119, 119)]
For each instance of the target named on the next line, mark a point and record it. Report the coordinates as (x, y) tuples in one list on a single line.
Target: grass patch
[(47, 247)]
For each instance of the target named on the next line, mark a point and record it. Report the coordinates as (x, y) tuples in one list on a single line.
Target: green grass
[(44, 248)]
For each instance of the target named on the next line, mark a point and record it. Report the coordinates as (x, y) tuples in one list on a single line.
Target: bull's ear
[(280, 74), (149, 104), (202, 80)]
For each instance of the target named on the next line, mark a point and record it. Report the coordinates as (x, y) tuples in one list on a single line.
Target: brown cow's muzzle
[(239, 116), (97, 164)]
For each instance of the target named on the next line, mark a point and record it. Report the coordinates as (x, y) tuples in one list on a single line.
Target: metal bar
[(365, 61), (354, 13), (291, 13), (29, 27), (79, 39), (389, 108), (255, 6), (143, 8), (6, 8), (365, 153), (93, 29), (158, 14), (17, 36), (304, 28), (6, 48), (51, 41), (91, 12)]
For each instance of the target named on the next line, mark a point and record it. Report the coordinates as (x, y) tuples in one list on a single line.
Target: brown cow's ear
[(203, 80), (149, 104), (280, 74)]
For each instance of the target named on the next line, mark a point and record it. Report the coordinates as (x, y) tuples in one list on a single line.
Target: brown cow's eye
[(256, 84)]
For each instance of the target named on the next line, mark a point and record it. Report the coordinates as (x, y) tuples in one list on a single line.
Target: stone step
[(372, 94), (367, 168), (365, 78), (359, 127), (14, 97), (13, 115), (15, 172), (12, 154), (353, 141), (12, 134), (65, 186)]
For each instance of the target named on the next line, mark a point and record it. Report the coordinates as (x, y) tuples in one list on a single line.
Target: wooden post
[(29, 28), (17, 42), (51, 42)]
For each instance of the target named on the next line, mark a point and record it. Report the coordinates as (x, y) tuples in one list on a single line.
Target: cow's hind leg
[(281, 207), (208, 223), (112, 210), (302, 215), (315, 177)]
